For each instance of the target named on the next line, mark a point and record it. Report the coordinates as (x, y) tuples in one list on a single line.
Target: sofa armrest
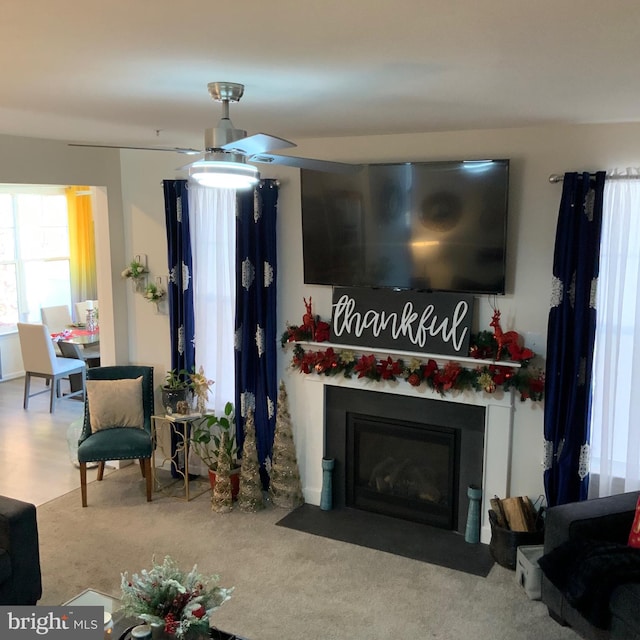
[(607, 519), (19, 538)]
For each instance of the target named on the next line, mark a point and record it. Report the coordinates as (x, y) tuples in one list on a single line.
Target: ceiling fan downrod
[(224, 133)]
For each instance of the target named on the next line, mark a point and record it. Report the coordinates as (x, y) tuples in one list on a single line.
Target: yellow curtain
[(82, 248)]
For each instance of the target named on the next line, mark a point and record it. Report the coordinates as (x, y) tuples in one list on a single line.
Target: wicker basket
[(504, 542)]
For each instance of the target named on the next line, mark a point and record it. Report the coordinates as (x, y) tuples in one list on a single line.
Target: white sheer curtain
[(615, 420), (213, 237)]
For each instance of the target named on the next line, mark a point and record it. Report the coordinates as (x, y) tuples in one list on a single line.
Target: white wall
[(136, 226), (535, 153), (33, 161), (145, 233)]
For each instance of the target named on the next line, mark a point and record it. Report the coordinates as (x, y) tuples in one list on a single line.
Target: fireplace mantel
[(499, 408)]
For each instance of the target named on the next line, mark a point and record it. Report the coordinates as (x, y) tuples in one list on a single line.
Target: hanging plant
[(154, 293), (135, 270)]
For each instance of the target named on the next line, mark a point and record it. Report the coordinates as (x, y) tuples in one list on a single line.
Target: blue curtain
[(180, 286), (256, 340), (570, 338)]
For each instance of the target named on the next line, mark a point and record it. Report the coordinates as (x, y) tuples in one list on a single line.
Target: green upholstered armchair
[(121, 428)]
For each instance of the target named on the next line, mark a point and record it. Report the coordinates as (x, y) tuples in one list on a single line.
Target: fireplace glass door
[(403, 469)]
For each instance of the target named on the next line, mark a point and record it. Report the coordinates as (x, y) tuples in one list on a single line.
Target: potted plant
[(206, 438), (176, 391)]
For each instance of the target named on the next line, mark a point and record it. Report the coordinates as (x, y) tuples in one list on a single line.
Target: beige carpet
[(289, 585)]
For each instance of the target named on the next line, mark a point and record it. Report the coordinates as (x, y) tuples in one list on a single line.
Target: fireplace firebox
[(405, 457), (403, 469)]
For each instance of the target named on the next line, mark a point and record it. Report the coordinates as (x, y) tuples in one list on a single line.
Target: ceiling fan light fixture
[(224, 175)]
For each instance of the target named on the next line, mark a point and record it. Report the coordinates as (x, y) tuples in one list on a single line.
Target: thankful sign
[(438, 323)]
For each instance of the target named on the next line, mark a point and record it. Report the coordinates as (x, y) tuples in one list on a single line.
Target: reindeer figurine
[(308, 321), (506, 340)]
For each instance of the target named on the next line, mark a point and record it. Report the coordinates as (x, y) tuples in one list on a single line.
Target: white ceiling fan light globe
[(224, 175)]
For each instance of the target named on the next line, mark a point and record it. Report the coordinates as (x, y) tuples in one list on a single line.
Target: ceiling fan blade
[(186, 150), (257, 143), (306, 163)]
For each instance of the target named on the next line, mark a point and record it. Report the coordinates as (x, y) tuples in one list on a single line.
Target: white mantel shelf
[(385, 353)]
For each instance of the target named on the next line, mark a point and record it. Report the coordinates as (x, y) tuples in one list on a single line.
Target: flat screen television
[(435, 226)]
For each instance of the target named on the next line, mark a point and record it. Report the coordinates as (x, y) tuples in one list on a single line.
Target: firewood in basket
[(514, 512), (530, 513), (501, 518)]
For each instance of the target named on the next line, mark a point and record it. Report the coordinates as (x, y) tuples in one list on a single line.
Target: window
[(34, 252), (615, 411)]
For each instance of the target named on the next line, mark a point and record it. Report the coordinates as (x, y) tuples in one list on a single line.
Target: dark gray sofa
[(20, 578), (603, 519)]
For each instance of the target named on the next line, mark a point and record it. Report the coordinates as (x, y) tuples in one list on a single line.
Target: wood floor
[(34, 455)]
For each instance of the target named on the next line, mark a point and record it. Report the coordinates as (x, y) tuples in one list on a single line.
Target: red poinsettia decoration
[(366, 366), (326, 360), (518, 353), (445, 378), (322, 331), (388, 369), (304, 360)]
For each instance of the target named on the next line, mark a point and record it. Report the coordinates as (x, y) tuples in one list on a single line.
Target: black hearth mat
[(401, 537)]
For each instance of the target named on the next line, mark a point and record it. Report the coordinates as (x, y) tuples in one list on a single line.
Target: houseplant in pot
[(206, 438), (177, 389)]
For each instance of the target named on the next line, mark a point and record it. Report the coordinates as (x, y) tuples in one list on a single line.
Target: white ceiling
[(115, 71)]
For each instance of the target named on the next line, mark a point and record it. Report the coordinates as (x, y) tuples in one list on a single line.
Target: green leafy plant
[(135, 270), (154, 293), (206, 437), (180, 601), (177, 379)]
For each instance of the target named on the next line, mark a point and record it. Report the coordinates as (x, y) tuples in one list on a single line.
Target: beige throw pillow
[(115, 403)]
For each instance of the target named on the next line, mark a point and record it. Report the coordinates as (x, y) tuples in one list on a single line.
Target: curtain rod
[(556, 177)]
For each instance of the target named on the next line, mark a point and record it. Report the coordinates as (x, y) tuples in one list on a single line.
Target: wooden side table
[(180, 426)]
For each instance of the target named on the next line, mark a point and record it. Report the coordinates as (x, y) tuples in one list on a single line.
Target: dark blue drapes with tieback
[(255, 324), (570, 338), (180, 285)]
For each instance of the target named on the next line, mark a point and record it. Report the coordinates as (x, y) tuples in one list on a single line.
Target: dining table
[(79, 342), (78, 335)]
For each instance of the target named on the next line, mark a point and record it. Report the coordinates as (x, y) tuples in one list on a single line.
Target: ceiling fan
[(227, 150)]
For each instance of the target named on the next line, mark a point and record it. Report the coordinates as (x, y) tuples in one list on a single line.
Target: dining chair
[(117, 420), (81, 310), (70, 350), (56, 318), (90, 353), (40, 361)]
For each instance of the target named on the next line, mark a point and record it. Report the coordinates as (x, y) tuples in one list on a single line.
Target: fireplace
[(403, 469), (406, 457)]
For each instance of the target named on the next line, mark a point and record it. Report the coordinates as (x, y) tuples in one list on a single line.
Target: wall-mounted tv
[(437, 226)]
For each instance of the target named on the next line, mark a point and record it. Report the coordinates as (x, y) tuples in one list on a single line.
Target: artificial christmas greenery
[(166, 595), (222, 499), (505, 349), (285, 486), (250, 495)]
